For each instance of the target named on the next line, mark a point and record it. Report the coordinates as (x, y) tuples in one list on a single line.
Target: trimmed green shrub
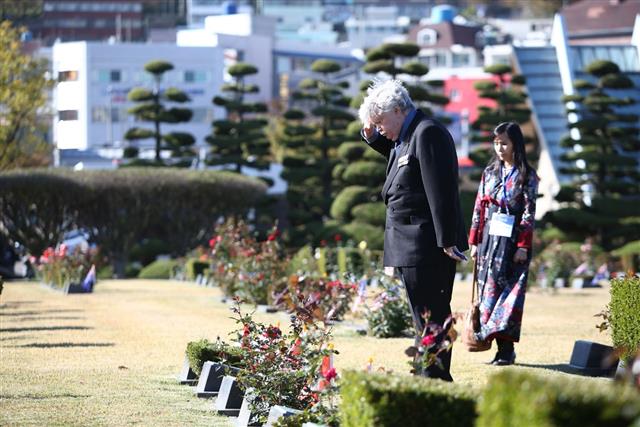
[(625, 315), (147, 250), (204, 350), (132, 270), (160, 269), (394, 400), (193, 267), (105, 272), (346, 200), (521, 398), (359, 231), (364, 173), (370, 213)]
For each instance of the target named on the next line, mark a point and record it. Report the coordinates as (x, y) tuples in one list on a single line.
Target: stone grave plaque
[(590, 358), (187, 376), (229, 398)]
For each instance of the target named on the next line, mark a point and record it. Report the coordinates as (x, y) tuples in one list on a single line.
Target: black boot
[(505, 355)]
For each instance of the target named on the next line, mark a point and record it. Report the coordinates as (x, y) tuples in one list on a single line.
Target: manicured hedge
[(194, 267), (160, 269), (121, 207), (391, 400), (524, 399), (625, 314)]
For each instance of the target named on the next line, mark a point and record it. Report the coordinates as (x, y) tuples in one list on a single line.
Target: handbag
[(472, 319)]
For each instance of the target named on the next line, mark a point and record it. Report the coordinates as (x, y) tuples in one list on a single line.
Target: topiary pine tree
[(309, 142), (358, 207), (602, 157), (239, 140), (150, 108), (510, 106)]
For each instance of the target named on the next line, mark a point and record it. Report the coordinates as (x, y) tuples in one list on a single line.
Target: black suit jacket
[(421, 194)]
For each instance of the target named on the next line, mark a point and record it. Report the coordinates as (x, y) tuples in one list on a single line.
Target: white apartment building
[(93, 79), (240, 37)]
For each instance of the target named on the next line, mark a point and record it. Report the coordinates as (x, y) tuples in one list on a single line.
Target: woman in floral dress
[(500, 239)]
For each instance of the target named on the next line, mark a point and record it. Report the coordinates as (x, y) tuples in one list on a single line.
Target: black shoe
[(501, 360)]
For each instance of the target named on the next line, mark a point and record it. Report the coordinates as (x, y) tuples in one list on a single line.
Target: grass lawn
[(112, 357)]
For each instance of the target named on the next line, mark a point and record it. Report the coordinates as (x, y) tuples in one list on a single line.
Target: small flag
[(362, 291), (90, 279)]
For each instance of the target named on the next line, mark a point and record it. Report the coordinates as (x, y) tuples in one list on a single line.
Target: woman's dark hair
[(514, 133)]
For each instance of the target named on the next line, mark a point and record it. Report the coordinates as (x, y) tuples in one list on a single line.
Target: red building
[(464, 97)]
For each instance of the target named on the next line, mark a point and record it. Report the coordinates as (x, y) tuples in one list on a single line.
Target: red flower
[(246, 330), (330, 374), (296, 350), (428, 340), (323, 243), (273, 235), (273, 332), (337, 238)]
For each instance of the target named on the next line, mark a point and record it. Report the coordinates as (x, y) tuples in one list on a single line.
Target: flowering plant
[(229, 238), (282, 367), (316, 298), (59, 267), (261, 269), (435, 339), (244, 266), (389, 315)]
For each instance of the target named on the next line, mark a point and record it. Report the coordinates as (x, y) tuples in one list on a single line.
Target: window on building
[(454, 95), (427, 36), (461, 59), (191, 76), (68, 76), (98, 114), (115, 76), (68, 115)]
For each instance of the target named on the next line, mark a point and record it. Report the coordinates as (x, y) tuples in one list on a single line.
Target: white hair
[(383, 96)]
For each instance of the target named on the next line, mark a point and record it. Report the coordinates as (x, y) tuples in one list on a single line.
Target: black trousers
[(429, 286)]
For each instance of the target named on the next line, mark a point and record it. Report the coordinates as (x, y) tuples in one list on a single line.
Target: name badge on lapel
[(501, 224), (403, 160)]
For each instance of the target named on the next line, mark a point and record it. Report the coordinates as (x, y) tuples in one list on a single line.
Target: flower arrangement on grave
[(58, 267), (261, 269), (389, 315), (228, 240), (316, 297), (435, 340), (245, 267), (204, 350), (282, 367)]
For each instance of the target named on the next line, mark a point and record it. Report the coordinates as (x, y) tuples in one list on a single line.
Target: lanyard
[(504, 180)]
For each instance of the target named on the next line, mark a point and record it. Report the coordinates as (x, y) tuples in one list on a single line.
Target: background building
[(90, 97)]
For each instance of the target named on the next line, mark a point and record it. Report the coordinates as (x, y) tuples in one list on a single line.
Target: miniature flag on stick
[(90, 279)]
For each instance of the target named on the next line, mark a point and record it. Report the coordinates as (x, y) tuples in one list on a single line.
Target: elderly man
[(424, 231)]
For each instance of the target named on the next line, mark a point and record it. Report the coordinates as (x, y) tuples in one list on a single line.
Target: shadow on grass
[(16, 304), (558, 367), (65, 344), (36, 318), (36, 313), (17, 337), (40, 397), (46, 328)]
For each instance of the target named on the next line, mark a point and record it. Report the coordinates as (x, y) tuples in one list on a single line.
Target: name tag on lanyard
[(501, 224)]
